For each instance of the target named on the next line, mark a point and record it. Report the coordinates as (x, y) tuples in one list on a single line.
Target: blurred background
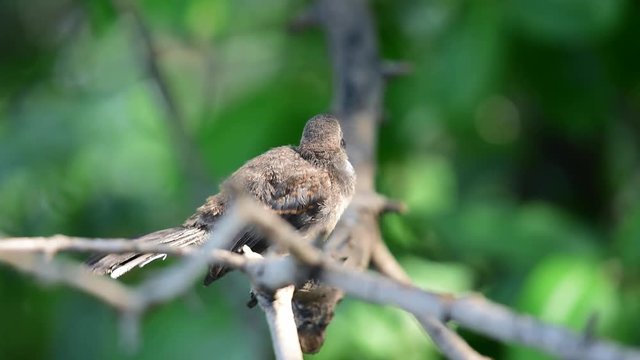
[(515, 143)]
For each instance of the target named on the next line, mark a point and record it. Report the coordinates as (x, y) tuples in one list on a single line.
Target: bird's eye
[(343, 144)]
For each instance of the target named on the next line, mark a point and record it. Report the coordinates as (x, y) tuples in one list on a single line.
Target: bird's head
[(323, 134)]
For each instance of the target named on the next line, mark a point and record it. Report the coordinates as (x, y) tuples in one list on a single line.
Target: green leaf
[(568, 290), (516, 237), (563, 21), (390, 334), (427, 183)]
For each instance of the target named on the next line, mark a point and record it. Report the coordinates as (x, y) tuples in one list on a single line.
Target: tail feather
[(117, 264)]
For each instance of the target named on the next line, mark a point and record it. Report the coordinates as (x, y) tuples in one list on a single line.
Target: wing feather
[(298, 198)]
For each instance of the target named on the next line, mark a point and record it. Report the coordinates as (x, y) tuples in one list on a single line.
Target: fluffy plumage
[(308, 185)]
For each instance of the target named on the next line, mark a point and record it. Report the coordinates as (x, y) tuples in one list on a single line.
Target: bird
[(309, 186)]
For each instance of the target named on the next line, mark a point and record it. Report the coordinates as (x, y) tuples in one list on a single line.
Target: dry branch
[(273, 272), (359, 75), (358, 87), (146, 47), (282, 325), (277, 308), (54, 271)]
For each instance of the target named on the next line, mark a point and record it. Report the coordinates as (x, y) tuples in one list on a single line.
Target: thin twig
[(471, 312), (282, 325), (190, 158), (54, 244), (177, 279), (106, 289), (386, 263), (391, 69), (277, 308), (357, 98), (453, 346)]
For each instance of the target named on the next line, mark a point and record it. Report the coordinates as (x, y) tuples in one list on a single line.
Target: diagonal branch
[(106, 289), (472, 312), (357, 100), (190, 159), (453, 346), (277, 308), (358, 87), (274, 272), (282, 324)]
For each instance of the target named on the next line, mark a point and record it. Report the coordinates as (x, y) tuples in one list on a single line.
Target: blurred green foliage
[(515, 143)]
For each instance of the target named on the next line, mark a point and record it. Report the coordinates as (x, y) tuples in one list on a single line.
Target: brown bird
[(309, 186)]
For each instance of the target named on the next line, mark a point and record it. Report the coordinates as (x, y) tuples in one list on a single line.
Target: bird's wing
[(117, 264), (298, 198), (297, 195)]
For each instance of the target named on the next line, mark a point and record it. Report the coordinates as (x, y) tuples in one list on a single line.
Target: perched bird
[(309, 186)]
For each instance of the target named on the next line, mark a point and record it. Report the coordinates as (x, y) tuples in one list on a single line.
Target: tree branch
[(72, 274), (452, 345), (357, 99), (358, 87), (473, 312), (277, 308), (190, 159), (273, 272), (282, 325)]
